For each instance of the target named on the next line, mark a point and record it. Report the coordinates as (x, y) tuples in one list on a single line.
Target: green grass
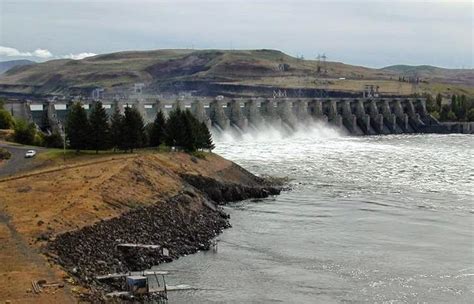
[(55, 154)]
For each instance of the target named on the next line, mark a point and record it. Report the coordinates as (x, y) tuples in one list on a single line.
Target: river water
[(381, 219)]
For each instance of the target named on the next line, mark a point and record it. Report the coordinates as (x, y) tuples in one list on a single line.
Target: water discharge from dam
[(269, 132), (377, 219)]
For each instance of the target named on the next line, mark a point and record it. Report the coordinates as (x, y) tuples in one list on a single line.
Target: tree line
[(128, 131), (460, 108)]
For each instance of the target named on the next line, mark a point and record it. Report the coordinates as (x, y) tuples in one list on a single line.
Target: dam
[(356, 116)]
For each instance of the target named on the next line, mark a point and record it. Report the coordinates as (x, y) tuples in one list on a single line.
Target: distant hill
[(460, 76), (226, 72), (7, 65)]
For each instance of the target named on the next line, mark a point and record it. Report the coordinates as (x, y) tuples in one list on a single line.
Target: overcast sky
[(371, 33)]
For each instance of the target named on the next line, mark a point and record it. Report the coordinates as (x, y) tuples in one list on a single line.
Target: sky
[(372, 33)]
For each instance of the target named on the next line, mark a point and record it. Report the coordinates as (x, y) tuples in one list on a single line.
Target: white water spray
[(272, 132)]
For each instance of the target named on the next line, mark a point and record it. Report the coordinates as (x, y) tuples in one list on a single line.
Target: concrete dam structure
[(357, 116)]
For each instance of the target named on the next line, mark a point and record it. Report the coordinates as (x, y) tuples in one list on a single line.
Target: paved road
[(18, 163)]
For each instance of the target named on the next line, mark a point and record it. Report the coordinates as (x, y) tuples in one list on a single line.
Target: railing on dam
[(359, 116)]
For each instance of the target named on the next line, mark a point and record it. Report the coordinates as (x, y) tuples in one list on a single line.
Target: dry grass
[(60, 198), (254, 67)]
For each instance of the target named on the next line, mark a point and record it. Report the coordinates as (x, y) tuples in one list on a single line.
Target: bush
[(199, 154), (6, 119), (54, 140), (24, 133), (451, 116), (435, 114), (470, 115), (4, 154), (38, 139)]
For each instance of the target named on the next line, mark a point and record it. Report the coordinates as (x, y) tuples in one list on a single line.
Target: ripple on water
[(384, 219)]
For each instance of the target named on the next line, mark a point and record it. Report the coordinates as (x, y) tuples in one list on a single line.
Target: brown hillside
[(175, 71), (41, 205)]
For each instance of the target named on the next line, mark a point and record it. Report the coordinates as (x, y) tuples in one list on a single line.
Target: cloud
[(79, 56), (40, 53), (12, 52)]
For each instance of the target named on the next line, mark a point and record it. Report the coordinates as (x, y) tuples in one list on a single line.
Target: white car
[(30, 153)]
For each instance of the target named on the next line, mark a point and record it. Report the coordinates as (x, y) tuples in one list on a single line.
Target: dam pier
[(356, 116)]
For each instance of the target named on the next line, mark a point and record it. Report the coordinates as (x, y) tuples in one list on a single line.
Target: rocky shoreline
[(183, 224)]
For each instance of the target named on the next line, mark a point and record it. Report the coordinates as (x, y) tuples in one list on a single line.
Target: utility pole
[(63, 134)]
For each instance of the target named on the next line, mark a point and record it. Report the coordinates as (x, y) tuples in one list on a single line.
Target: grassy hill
[(6, 65), (236, 72)]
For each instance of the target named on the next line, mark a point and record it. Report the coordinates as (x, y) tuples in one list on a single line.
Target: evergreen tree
[(430, 103), (443, 115), (77, 127), (156, 134), (461, 110), (439, 100), (116, 128), (99, 128), (191, 131), (133, 129), (205, 137), (174, 129), (454, 103)]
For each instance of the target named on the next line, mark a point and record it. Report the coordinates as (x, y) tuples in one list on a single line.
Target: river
[(379, 219)]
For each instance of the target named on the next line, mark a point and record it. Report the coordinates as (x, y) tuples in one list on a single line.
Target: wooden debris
[(139, 246), (36, 287), (122, 275)]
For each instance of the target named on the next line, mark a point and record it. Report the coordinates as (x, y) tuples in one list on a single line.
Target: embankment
[(78, 215)]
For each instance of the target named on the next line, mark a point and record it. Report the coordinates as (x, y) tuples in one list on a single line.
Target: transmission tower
[(318, 70), (325, 68)]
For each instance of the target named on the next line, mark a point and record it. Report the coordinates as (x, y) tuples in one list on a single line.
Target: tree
[(461, 107), (24, 132), (116, 128), (205, 138), (470, 115), (443, 115), (99, 128), (133, 129), (156, 133), (54, 140), (430, 103), (175, 128), (439, 100), (451, 116), (454, 103), (6, 119), (77, 127)]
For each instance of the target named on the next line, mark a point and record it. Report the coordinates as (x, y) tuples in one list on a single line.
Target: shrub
[(435, 114), (54, 140), (6, 119), (24, 132), (470, 115), (4, 154), (451, 116)]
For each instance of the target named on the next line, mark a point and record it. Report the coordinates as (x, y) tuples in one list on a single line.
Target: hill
[(7, 65), (227, 72)]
